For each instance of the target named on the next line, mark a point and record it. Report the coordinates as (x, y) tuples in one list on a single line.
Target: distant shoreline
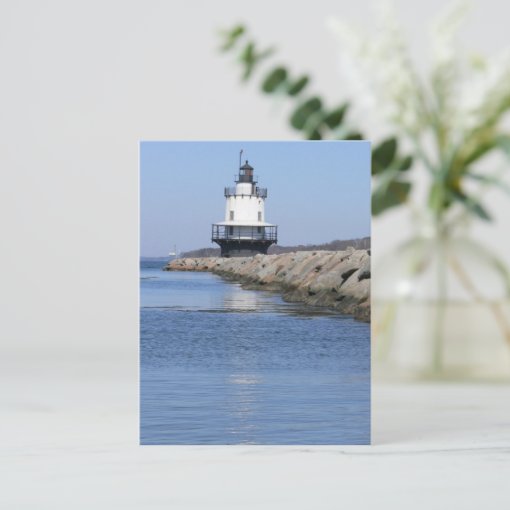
[(362, 243), (359, 243)]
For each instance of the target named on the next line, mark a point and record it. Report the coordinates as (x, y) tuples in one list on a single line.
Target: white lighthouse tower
[(244, 231)]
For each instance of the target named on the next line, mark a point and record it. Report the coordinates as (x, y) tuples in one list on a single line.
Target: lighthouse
[(244, 231)]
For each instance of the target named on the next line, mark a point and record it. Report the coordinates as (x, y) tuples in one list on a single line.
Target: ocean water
[(223, 365)]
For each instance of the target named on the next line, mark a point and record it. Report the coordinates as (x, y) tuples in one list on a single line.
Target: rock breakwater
[(335, 279)]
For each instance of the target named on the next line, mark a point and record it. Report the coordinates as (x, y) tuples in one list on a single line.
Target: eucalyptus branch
[(315, 121), (463, 118)]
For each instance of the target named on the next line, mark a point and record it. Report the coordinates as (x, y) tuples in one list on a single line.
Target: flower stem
[(438, 328)]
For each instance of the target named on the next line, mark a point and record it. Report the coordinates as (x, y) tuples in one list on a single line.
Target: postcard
[(254, 293)]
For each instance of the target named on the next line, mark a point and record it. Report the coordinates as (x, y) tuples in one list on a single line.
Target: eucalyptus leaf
[(314, 134), (383, 155), (232, 36), (250, 58), (334, 118), (389, 194), (353, 135), (247, 57), (302, 113), (274, 79), (405, 164), (296, 87)]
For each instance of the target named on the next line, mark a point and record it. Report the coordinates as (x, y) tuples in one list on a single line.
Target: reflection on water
[(244, 301), (222, 365), (245, 394)]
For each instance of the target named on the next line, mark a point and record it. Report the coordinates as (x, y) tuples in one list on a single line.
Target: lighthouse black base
[(243, 248)]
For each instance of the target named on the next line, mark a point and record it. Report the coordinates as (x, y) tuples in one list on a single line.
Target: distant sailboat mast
[(174, 252)]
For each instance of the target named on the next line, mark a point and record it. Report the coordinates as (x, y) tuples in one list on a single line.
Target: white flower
[(457, 98), (485, 96), (443, 35), (381, 70)]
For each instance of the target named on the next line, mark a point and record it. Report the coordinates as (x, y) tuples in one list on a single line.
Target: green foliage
[(251, 58), (391, 188), (405, 163), (436, 199), (297, 86), (489, 180), (231, 37), (334, 118), (353, 136), (314, 134), (316, 121), (389, 194), (503, 143), (383, 155), (304, 111), (472, 205), (274, 79)]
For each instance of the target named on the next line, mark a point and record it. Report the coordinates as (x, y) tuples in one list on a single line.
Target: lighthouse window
[(231, 215), (231, 230), (260, 216), (259, 229)]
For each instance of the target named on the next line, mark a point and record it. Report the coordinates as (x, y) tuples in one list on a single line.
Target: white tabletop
[(70, 441)]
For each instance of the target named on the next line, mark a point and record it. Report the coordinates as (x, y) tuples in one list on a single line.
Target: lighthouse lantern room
[(244, 231)]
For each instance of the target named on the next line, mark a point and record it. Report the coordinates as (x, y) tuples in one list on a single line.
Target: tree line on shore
[(336, 245)]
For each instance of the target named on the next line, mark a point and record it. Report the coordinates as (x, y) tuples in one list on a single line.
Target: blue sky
[(317, 191)]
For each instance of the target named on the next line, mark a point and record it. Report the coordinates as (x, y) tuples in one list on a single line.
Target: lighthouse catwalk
[(244, 231)]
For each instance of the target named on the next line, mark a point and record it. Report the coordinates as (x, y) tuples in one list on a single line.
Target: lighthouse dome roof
[(246, 166)]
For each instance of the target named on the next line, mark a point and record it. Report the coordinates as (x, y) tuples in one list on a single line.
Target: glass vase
[(441, 310)]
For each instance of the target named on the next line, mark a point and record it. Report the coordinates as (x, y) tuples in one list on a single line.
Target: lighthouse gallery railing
[(251, 233), (259, 192)]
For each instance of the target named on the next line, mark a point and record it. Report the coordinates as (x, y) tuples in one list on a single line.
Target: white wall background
[(81, 83)]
